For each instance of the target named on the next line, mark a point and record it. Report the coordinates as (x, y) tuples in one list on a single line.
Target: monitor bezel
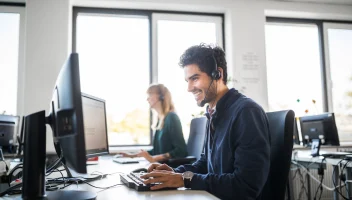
[(97, 152)]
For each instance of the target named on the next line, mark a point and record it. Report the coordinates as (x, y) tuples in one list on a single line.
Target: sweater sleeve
[(174, 129), (151, 152), (200, 166)]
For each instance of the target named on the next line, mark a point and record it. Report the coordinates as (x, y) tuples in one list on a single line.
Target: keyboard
[(123, 160), (133, 180)]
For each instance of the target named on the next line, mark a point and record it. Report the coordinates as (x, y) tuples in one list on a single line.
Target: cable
[(56, 163), (342, 170), (102, 187), (6, 166), (321, 173), (319, 186), (333, 179), (312, 176), (10, 189), (303, 188), (13, 170), (53, 184), (341, 173)]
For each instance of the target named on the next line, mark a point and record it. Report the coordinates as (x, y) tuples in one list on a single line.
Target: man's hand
[(166, 179), (157, 166)]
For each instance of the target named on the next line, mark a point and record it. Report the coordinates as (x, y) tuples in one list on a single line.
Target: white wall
[(47, 45), (48, 37)]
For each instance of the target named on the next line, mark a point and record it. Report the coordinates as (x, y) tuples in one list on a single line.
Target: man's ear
[(221, 74)]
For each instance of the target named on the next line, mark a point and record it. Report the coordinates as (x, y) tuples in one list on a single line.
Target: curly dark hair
[(202, 55)]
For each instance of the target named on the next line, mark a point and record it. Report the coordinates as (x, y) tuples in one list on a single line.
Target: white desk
[(107, 166)]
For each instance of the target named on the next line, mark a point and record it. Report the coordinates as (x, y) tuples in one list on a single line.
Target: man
[(236, 156)]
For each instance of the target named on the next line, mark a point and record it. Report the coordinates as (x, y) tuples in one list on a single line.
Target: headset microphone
[(202, 103)]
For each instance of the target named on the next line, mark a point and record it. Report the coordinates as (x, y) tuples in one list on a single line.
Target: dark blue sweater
[(236, 157)]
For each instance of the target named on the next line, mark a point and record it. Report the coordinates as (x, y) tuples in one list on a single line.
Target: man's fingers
[(152, 167), (153, 174), (164, 167), (161, 179), (162, 171)]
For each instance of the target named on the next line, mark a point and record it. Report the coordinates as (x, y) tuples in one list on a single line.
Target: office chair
[(194, 144), (281, 131)]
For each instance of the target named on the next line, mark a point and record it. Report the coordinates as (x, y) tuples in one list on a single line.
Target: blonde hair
[(166, 102)]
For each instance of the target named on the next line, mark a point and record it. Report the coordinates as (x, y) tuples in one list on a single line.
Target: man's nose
[(189, 87)]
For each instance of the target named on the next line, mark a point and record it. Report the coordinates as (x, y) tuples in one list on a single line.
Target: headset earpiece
[(215, 74), (161, 95)]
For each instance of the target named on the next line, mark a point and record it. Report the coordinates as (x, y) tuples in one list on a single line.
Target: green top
[(170, 138)]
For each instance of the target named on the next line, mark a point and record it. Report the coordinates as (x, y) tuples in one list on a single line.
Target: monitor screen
[(67, 115), (321, 127), (8, 132), (95, 128)]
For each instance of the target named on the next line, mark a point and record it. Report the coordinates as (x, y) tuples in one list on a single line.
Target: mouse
[(138, 170)]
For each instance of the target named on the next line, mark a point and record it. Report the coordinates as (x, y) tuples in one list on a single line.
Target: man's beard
[(209, 95)]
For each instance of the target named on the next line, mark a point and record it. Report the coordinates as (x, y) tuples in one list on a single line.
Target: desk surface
[(304, 156), (107, 166)]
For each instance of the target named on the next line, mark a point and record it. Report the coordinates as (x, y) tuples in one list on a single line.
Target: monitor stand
[(34, 163)]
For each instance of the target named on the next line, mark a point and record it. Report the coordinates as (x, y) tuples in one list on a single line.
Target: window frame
[(19, 8), (326, 27), (319, 25), (152, 15), (323, 26)]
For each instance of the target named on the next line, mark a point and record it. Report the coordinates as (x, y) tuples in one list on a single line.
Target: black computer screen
[(95, 128), (67, 115), (8, 125), (321, 127), (8, 133)]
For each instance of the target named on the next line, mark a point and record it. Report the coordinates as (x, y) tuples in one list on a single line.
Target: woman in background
[(168, 139)]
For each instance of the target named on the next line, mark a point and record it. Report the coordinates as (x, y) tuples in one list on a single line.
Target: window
[(294, 55), (189, 30), (11, 51), (338, 44), (123, 51), (112, 49), (294, 68)]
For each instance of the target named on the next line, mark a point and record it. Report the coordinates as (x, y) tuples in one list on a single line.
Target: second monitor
[(321, 127), (95, 127)]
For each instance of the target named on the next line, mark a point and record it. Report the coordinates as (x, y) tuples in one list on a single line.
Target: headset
[(161, 95), (215, 74)]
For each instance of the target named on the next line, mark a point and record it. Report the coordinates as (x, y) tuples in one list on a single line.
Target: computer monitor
[(8, 132), (95, 128), (321, 127), (66, 121), (20, 138), (296, 138)]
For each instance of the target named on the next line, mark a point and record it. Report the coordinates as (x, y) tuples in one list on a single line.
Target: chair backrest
[(196, 136), (281, 125)]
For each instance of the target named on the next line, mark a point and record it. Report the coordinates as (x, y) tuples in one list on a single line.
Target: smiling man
[(236, 157)]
